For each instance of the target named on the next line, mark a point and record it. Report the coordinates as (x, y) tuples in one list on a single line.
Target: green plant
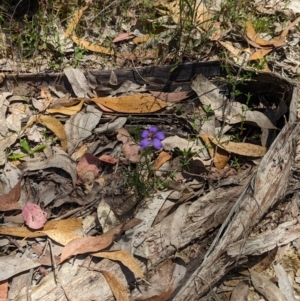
[(27, 150)]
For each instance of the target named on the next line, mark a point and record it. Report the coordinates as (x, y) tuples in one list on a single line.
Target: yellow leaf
[(252, 35), (139, 103), (66, 224), (221, 158), (82, 43), (56, 127), (125, 258), (162, 158), (75, 21), (61, 235), (259, 54), (141, 39), (67, 110), (116, 286), (92, 47), (239, 148)]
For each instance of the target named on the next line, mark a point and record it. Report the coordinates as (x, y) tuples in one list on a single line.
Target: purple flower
[(152, 136)]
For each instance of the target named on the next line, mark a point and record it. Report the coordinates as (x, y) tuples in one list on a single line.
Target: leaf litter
[(91, 159)]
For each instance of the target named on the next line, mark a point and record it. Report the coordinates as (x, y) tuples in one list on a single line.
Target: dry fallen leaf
[(171, 96), (239, 148), (75, 21), (123, 37), (162, 158), (221, 158), (125, 258), (108, 159), (67, 110), (88, 163), (138, 103), (116, 286), (259, 54), (93, 244), (10, 201), (129, 148), (56, 127), (61, 225)]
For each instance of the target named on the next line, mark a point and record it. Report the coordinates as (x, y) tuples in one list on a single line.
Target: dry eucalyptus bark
[(265, 189)]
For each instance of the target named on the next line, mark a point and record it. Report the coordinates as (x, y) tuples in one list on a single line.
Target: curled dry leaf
[(126, 259), (56, 127), (10, 201), (34, 216), (70, 110)]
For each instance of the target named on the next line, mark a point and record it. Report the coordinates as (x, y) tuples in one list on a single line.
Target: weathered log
[(265, 189)]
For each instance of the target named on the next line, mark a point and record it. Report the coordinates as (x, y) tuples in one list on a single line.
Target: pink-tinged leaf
[(129, 148), (108, 159), (34, 216), (103, 108), (171, 96), (88, 163), (123, 37), (10, 201)]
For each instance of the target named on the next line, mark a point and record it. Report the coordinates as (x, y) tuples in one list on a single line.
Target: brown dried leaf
[(56, 127), (125, 258), (138, 103), (116, 286), (259, 54), (94, 244), (10, 201), (66, 225), (243, 149), (67, 110), (162, 158), (252, 35), (92, 47), (141, 39), (62, 236), (221, 158), (75, 21)]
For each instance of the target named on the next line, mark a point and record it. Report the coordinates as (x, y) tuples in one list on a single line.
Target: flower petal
[(153, 129), (144, 143), (160, 135), (145, 134), (156, 143)]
